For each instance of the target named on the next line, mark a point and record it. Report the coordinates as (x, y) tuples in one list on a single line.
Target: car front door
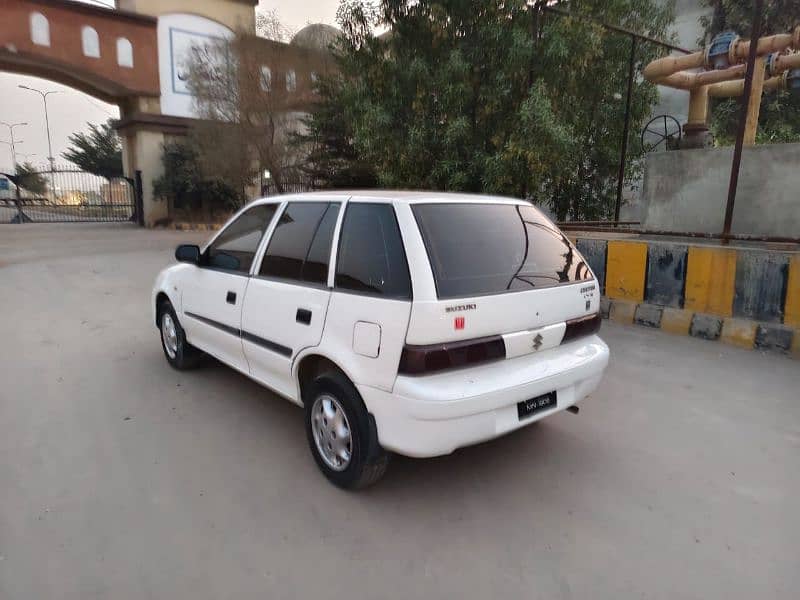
[(212, 294), (287, 298)]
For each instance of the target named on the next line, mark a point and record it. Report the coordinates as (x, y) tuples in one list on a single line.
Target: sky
[(70, 110)]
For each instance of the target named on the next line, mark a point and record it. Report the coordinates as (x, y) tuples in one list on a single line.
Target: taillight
[(577, 328), (416, 360)]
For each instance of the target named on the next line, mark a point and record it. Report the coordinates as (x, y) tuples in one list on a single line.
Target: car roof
[(404, 196)]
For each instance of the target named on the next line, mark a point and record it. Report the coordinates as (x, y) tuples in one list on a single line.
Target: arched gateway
[(131, 56)]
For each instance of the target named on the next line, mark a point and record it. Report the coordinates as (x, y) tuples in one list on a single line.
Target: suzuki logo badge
[(537, 341), (458, 322)]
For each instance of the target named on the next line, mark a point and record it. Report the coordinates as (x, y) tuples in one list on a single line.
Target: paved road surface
[(122, 478)]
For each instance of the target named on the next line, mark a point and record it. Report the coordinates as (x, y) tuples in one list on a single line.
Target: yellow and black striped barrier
[(746, 296)]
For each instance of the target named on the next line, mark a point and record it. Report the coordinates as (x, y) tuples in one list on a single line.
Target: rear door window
[(300, 247), (371, 257), (479, 249)]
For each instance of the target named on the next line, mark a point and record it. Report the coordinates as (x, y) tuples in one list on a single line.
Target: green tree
[(28, 178), (327, 141), (497, 97), (184, 186), (99, 151), (779, 117)]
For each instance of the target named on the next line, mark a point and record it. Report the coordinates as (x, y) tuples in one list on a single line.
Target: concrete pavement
[(122, 478)]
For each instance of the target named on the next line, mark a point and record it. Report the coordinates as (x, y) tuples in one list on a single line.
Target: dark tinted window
[(489, 248), (300, 247), (371, 256), (315, 267), (236, 246)]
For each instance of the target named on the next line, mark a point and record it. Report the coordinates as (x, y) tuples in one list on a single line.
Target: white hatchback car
[(411, 322)]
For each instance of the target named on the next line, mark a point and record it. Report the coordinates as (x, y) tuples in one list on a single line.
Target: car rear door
[(371, 299), (287, 298), (212, 294)]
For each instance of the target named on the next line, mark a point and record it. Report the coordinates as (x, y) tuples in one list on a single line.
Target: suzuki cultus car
[(406, 322)]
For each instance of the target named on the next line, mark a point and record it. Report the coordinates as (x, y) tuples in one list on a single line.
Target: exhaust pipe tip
[(573, 409)]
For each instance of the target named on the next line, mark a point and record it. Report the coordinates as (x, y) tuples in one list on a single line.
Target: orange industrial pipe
[(662, 67), (684, 80), (766, 45), (680, 72), (672, 70), (784, 62), (777, 80), (732, 89)]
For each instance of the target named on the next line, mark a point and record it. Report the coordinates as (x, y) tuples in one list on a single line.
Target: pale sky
[(70, 110)]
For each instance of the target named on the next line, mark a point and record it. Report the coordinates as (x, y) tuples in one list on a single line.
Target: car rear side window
[(371, 257), (300, 247), (235, 247), (478, 249)]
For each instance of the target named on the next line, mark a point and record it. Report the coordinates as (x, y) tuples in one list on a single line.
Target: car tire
[(332, 404), (179, 353)]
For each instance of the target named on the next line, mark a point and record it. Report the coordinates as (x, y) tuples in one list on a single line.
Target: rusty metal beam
[(679, 234), (758, 9), (625, 130), (566, 13)]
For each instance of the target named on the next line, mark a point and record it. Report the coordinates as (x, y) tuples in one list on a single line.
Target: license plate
[(526, 408)]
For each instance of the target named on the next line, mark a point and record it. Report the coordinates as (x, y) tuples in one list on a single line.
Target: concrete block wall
[(686, 190), (747, 297)]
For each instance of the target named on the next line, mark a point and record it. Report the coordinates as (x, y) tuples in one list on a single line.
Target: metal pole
[(13, 141), (21, 216), (737, 151), (575, 15), (49, 149), (138, 198), (625, 130), (47, 125), (11, 148)]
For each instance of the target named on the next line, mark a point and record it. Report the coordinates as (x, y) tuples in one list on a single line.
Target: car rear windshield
[(478, 249)]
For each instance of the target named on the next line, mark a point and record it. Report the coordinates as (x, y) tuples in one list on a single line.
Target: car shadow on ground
[(542, 451)]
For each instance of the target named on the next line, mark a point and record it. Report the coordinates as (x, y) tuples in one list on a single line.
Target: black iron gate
[(292, 185), (67, 195)]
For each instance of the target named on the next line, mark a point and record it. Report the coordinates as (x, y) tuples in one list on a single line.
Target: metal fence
[(290, 186), (66, 194)]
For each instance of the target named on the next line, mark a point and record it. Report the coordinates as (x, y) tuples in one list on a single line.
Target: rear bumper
[(435, 414)]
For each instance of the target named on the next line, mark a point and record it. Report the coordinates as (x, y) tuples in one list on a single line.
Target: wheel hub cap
[(169, 335), (331, 432)]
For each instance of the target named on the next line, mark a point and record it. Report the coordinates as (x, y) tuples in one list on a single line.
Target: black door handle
[(303, 316), (231, 298)]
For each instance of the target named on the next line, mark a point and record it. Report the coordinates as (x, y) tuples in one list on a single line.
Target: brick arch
[(100, 87), (64, 60)]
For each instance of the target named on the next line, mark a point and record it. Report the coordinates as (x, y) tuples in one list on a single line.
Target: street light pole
[(11, 147), (11, 133), (44, 96)]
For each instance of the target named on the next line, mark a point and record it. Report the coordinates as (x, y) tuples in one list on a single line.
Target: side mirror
[(188, 253)]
